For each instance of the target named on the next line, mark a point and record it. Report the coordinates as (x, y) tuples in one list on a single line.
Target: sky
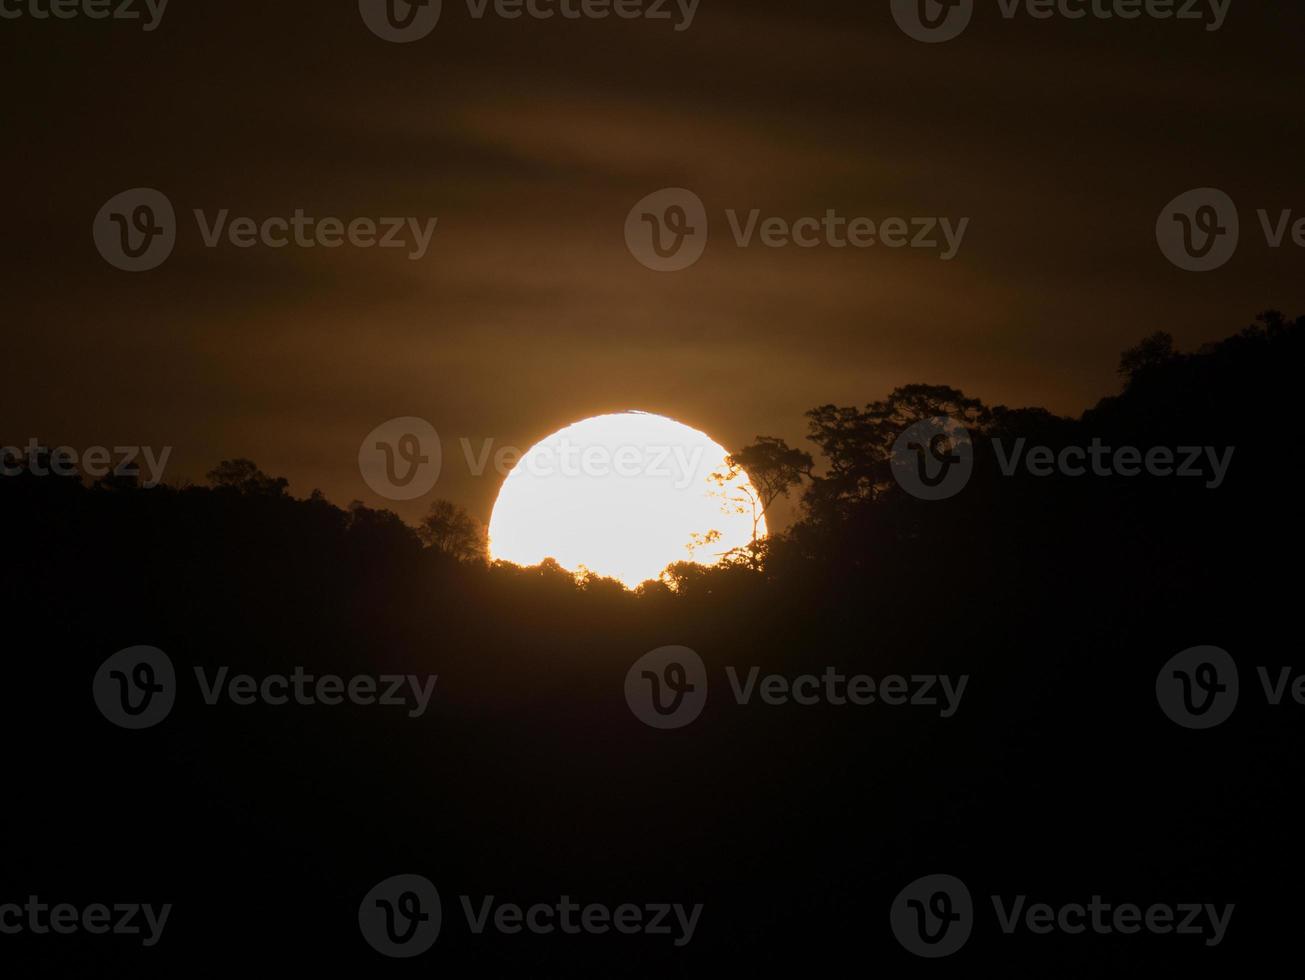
[(529, 141)]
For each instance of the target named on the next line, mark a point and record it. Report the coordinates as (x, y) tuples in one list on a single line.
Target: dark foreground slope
[(529, 778)]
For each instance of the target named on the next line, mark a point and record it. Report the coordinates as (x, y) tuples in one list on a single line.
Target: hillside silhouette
[(1059, 596)]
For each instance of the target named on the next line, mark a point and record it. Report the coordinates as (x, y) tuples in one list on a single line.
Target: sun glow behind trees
[(624, 496)]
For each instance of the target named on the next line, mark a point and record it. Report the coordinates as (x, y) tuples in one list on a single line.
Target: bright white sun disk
[(623, 496)]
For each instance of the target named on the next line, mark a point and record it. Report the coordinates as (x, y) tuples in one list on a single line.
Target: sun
[(623, 496)]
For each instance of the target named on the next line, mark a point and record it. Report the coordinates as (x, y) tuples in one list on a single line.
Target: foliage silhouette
[(530, 778)]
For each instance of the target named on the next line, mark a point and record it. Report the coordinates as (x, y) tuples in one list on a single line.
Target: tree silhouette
[(858, 444), (450, 530), (753, 479), (1152, 352), (243, 476), (1062, 596)]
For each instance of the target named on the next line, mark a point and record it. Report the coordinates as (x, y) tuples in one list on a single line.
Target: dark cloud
[(530, 141)]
